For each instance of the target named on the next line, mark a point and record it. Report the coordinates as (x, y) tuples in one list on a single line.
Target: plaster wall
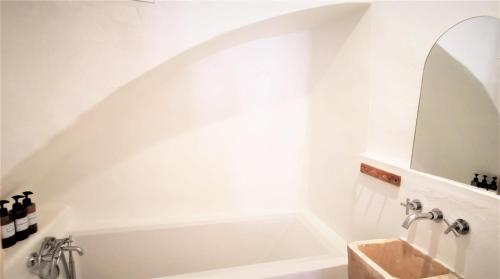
[(67, 56), (398, 57), (219, 129), (360, 207), (278, 130)]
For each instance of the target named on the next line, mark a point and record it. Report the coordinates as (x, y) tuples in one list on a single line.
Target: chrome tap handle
[(46, 244), (414, 205), (450, 228), (458, 227), (405, 205)]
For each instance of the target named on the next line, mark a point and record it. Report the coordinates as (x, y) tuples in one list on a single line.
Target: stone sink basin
[(392, 258)]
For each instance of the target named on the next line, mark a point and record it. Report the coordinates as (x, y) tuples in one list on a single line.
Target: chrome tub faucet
[(45, 263)]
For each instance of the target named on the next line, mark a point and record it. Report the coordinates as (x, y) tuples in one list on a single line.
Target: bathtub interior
[(166, 251)]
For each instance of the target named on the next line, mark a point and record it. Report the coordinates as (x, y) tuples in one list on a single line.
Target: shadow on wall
[(153, 108), (374, 204)]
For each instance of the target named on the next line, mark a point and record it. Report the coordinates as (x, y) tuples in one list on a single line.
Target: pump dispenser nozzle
[(27, 200), (17, 203)]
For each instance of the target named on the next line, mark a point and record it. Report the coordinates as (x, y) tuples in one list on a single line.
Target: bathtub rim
[(324, 234), (313, 224), (268, 269), (335, 254)]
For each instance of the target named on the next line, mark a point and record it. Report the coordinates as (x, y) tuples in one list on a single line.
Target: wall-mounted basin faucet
[(436, 215), (458, 227)]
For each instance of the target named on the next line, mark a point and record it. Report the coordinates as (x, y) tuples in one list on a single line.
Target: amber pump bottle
[(20, 219), (30, 212), (8, 227)]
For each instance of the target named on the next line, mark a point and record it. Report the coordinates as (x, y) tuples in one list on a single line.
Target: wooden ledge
[(381, 174)]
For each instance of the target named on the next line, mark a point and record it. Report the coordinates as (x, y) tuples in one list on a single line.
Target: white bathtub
[(290, 246)]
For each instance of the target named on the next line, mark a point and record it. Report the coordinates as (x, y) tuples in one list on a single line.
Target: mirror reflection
[(457, 131)]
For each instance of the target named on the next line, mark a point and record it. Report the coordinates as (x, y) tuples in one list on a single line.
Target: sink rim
[(354, 247)]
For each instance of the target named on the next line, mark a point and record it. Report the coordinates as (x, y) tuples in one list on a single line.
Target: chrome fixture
[(458, 227), (45, 263), (436, 215), (414, 205)]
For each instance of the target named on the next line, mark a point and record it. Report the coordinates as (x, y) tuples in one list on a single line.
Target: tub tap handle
[(414, 205)]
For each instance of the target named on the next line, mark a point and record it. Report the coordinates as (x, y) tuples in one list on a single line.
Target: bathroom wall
[(124, 131), (336, 135), (398, 56), (198, 134), (360, 207), (131, 122), (59, 46)]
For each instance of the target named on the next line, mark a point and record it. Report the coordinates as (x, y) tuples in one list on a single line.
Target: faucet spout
[(413, 217), (436, 215), (73, 248)]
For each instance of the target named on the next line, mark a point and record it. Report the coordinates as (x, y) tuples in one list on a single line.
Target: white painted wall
[(238, 151), (58, 45), (337, 127), (360, 207), (398, 56), (218, 130)]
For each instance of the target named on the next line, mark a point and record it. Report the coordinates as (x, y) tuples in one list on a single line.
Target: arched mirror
[(457, 132)]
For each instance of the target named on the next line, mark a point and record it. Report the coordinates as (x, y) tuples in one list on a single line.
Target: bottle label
[(8, 230), (21, 224), (32, 219)]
